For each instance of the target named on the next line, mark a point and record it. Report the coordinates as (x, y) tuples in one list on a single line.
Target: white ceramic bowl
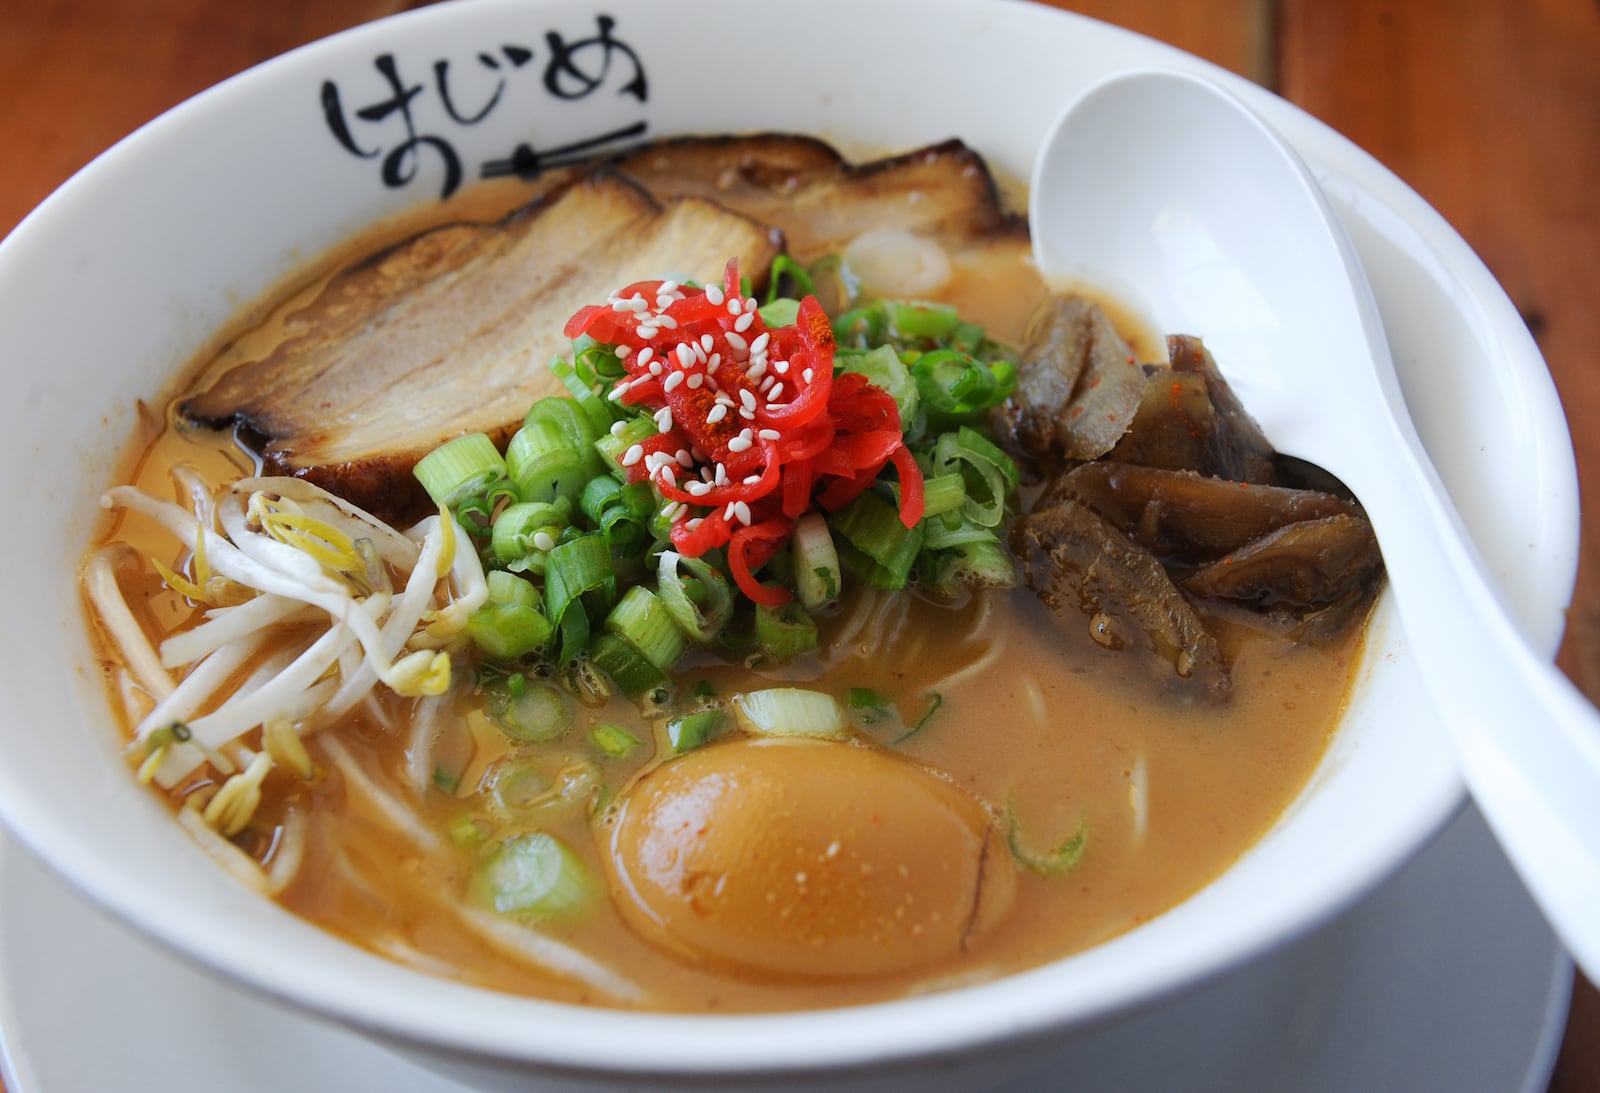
[(124, 274)]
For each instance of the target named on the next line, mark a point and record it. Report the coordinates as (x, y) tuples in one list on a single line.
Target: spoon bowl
[(1166, 190)]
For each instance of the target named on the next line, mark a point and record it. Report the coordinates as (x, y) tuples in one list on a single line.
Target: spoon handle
[(1528, 741)]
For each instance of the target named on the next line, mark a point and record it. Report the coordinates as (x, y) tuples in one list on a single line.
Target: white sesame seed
[(670, 509), (668, 475), (664, 302), (686, 355), (757, 369), (749, 305), (716, 359), (714, 295), (640, 381), (727, 513), (747, 398), (622, 352), (695, 380), (667, 321), (632, 303), (542, 540), (738, 342), (645, 355), (747, 413), (724, 399), (695, 523), (721, 476), (672, 381), (742, 323), (682, 512), (698, 489), (733, 305), (751, 480), (781, 367), (741, 512), (616, 395), (685, 460), (806, 375), (645, 330), (766, 383), (769, 434), (664, 419), (776, 393), (700, 353), (655, 368), (667, 286), (740, 443), (759, 345), (716, 414), (706, 343), (618, 428)]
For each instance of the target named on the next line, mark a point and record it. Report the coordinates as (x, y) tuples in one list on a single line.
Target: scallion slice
[(1059, 859), (789, 711), (785, 632), (460, 469), (644, 621), (614, 741), (700, 603), (628, 668), (532, 714), (534, 874), (506, 631), (817, 576), (872, 526), (692, 730)]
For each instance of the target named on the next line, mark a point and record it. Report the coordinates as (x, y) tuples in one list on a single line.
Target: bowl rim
[(871, 1035)]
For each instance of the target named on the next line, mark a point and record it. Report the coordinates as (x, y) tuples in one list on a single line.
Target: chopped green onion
[(784, 266), (982, 564), (989, 473), (644, 621), (957, 388), (574, 569), (540, 712), (515, 785), (942, 493), (526, 532), (506, 631), (534, 874), (613, 445), (785, 632), (780, 312), (692, 730), (918, 319), (872, 526), (575, 425), (1061, 859), (789, 711), (935, 701), (701, 621), (507, 587), (544, 464), (628, 668), (613, 740), (459, 469), (817, 577)]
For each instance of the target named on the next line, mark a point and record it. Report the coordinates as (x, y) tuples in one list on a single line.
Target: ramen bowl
[(128, 272)]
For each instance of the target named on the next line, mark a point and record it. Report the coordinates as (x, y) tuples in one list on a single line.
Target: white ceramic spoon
[(1170, 193)]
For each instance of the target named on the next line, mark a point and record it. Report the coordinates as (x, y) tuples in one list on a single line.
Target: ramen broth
[(1031, 716)]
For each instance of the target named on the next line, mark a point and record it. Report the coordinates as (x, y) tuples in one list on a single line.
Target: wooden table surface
[(1489, 108)]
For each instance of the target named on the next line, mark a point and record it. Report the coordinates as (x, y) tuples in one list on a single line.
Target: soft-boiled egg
[(806, 857)]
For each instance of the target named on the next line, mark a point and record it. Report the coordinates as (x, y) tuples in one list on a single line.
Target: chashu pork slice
[(451, 332)]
